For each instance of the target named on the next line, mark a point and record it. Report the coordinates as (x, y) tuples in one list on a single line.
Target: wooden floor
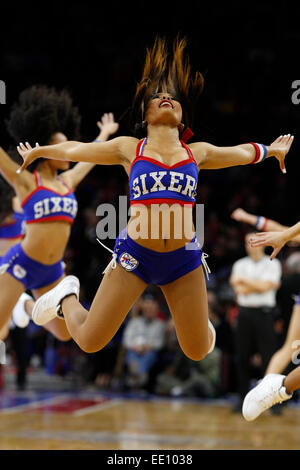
[(97, 422)]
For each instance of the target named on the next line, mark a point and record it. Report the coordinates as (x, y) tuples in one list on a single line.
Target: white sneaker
[(176, 391), (266, 394), (212, 329), (19, 315), (47, 307)]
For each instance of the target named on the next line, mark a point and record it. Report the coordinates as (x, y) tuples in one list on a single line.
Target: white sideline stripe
[(97, 407), (34, 404), (119, 437)]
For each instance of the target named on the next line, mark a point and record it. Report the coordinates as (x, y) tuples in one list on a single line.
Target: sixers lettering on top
[(152, 181), (46, 204), (55, 205), (162, 181)]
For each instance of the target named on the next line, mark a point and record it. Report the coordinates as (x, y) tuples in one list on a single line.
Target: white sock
[(19, 315), (212, 329), (284, 394)]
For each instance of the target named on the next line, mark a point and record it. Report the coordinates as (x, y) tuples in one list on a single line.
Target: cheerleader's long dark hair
[(41, 112), (170, 73)]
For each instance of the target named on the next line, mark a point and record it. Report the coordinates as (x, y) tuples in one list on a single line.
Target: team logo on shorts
[(128, 262), (19, 272)]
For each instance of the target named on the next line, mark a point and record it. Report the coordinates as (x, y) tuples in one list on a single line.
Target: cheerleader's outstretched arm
[(113, 152), (210, 157)]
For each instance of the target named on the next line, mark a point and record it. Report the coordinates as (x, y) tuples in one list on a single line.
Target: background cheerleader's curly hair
[(39, 113), (165, 72)]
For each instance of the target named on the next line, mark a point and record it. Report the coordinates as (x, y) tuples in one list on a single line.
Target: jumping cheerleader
[(11, 232), (48, 201), (161, 169), (11, 218)]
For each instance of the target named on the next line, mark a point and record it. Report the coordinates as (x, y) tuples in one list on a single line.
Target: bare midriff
[(160, 228), (46, 242)]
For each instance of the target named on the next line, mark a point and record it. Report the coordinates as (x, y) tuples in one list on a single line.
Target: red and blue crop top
[(45, 204), (13, 229), (153, 182)]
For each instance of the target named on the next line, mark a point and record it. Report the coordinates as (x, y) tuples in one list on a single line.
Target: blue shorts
[(31, 273), (298, 299), (155, 267)]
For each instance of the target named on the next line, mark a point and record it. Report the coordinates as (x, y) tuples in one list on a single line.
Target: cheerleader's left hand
[(281, 147), (274, 239)]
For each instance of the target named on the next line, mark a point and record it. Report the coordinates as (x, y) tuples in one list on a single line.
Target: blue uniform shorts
[(31, 273), (155, 267)]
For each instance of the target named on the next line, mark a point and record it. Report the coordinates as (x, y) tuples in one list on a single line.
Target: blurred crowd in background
[(247, 98)]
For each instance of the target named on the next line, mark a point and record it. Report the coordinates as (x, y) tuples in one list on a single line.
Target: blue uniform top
[(153, 182), (13, 229), (45, 204)]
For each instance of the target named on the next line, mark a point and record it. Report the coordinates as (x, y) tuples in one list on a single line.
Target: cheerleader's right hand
[(28, 154)]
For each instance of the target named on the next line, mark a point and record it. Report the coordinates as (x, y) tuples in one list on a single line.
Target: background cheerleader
[(48, 201), (12, 231)]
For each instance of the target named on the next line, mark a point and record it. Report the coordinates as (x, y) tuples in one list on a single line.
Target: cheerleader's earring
[(181, 127)]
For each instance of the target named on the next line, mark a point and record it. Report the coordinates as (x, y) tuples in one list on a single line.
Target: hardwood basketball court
[(65, 421)]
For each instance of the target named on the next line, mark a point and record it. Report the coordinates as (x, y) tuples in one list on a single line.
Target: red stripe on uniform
[(46, 189), (147, 202), (138, 147), (188, 151), (13, 238), (54, 217)]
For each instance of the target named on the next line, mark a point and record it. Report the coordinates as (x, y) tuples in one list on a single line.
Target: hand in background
[(107, 126)]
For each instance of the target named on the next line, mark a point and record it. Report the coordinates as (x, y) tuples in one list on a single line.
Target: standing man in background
[(255, 280)]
